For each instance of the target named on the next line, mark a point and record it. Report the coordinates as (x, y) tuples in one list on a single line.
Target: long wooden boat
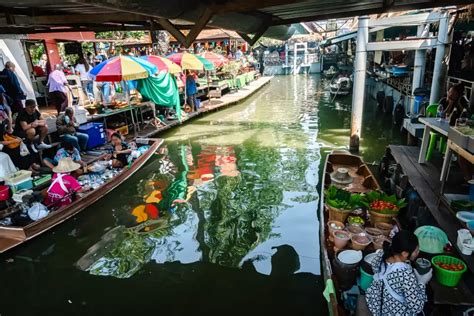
[(11, 236), (363, 181)]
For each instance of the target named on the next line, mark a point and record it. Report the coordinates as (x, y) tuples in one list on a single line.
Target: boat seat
[(431, 111)]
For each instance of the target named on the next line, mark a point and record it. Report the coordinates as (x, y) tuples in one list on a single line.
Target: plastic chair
[(431, 111)]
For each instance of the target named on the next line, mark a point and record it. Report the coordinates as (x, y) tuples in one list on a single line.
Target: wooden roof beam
[(252, 40), (187, 40)]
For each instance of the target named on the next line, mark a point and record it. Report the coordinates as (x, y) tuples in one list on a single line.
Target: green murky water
[(223, 220)]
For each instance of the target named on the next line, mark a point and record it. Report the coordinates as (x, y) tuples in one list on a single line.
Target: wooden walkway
[(424, 178), (212, 105)]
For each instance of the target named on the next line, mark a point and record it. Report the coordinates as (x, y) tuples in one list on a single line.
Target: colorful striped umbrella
[(217, 59), (191, 61), (162, 63), (122, 68)]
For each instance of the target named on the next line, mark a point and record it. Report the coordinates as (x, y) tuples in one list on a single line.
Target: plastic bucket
[(365, 279)]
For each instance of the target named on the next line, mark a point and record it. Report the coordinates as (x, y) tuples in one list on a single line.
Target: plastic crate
[(122, 130), (96, 132), (25, 184)]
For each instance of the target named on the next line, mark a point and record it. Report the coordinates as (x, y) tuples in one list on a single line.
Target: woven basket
[(376, 217), (336, 214)]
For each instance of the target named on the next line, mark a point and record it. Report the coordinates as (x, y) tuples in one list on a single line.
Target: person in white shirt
[(82, 69)]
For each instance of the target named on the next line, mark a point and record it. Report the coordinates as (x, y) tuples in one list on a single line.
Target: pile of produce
[(383, 203)]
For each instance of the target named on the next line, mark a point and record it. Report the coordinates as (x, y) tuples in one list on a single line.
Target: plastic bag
[(37, 211), (24, 150)]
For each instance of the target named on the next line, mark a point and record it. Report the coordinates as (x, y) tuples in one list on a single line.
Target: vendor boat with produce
[(32, 212), (362, 242)]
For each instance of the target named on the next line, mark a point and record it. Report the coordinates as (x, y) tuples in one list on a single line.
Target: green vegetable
[(343, 199), (377, 195)]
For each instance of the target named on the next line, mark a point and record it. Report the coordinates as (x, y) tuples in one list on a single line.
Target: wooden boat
[(11, 236), (363, 181), (340, 86)]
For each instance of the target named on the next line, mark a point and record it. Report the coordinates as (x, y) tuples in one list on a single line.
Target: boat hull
[(13, 236), (363, 181)]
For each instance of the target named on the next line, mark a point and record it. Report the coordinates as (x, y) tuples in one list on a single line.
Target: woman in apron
[(397, 289), (64, 185)]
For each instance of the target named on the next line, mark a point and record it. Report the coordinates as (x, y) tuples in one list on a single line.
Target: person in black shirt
[(29, 125), (454, 103)]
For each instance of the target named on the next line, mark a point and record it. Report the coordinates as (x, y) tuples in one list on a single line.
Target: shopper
[(9, 81), (191, 90), (67, 125), (82, 69), (58, 88), (30, 125)]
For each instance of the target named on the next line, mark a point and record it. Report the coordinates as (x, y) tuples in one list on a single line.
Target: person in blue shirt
[(191, 90)]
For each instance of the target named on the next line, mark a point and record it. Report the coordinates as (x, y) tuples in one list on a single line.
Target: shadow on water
[(225, 216)]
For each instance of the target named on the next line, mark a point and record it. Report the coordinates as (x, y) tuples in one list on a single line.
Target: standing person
[(397, 289), (191, 90), (58, 86), (67, 125), (82, 68), (29, 125), (239, 54), (5, 111), (10, 83), (43, 63)]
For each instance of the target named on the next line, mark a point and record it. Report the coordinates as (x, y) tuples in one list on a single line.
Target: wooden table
[(452, 147), (104, 116), (436, 125)]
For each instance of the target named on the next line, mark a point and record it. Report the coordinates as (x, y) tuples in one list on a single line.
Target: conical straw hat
[(66, 165)]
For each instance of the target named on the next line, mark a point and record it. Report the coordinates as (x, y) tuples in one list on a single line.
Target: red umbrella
[(217, 59)]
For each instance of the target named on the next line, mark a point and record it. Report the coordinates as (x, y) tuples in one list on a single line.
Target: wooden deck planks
[(424, 178)]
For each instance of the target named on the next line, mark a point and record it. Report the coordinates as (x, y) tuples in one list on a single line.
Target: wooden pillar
[(359, 82), (440, 64)]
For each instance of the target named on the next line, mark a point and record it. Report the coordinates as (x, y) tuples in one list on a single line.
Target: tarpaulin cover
[(161, 90)]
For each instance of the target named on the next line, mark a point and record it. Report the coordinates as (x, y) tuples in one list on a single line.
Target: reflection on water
[(224, 215)]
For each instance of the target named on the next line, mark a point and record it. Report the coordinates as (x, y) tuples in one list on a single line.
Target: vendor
[(67, 125), (120, 151), (64, 185), (66, 151), (397, 288), (29, 124), (454, 103)]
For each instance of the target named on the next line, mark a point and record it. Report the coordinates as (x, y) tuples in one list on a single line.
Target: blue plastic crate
[(96, 132)]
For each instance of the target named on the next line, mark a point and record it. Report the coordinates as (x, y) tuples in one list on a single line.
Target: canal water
[(223, 219)]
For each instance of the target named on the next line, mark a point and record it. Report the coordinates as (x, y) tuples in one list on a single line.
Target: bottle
[(454, 116)]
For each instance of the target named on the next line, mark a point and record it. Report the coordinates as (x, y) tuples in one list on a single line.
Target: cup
[(422, 265)]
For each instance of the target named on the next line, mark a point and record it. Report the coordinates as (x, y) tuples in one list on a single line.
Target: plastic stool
[(431, 111)]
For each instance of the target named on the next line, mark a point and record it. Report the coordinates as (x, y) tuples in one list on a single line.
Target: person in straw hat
[(63, 185)]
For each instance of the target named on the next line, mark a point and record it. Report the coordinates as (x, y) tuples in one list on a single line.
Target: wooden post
[(359, 82), (440, 65)]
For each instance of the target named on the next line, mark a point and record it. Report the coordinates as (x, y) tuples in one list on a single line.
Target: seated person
[(454, 100), (26, 159), (119, 152), (67, 125), (66, 151), (29, 125), (64, 185)]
